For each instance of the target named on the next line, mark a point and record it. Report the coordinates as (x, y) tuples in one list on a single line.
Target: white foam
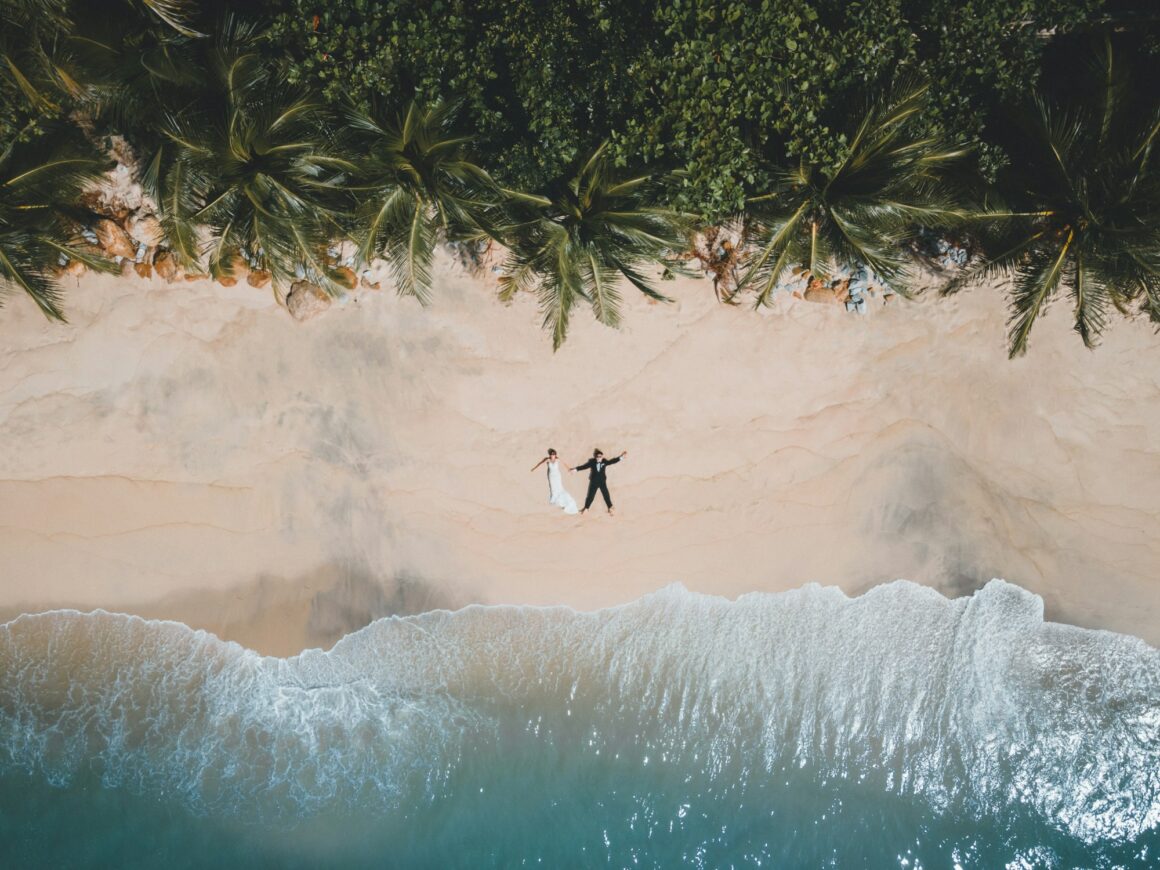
[(974, 704)]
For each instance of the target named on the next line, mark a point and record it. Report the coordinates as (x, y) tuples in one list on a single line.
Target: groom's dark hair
[(597, 452)]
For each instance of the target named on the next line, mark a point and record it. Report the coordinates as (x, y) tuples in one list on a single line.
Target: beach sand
[(188, 451)]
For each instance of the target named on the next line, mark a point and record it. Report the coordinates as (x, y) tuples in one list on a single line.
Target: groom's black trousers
[(600, 486)]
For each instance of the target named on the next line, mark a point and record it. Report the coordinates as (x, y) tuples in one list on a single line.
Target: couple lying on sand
[(596, 466)]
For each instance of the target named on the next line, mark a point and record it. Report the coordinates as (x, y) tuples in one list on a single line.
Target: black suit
[(596, 480)]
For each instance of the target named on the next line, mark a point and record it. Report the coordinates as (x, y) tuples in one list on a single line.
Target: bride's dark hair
[(551, 451)]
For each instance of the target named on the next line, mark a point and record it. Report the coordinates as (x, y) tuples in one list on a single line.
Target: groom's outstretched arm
[(587, 464), (612, 461)]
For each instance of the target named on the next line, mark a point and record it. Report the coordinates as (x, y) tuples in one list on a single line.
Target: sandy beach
[(188, 451)]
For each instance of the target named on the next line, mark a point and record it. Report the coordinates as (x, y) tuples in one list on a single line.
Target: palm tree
[(574, 243), (256, 175), (415, 183), (1084, 211), (38, 218), (862, 210)]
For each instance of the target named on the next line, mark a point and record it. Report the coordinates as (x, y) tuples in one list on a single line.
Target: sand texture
[(189, 451)]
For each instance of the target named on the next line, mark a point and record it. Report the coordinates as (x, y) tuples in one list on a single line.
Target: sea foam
[(973, 708)]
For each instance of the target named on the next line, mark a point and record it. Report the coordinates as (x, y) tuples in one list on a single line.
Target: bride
[(557, 495)]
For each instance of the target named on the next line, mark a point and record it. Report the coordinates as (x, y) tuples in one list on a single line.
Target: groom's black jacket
[(596, 469)]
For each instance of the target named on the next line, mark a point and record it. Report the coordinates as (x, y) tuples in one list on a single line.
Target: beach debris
[(943, 253), (306, 300), (718, 250)]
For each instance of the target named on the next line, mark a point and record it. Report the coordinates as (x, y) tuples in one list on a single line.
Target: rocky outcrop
[(166, 265), (827, 293), (306, 300), (259, 278), (145, 229), (114, 239)]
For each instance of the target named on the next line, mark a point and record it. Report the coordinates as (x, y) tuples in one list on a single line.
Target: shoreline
[(188, 451)]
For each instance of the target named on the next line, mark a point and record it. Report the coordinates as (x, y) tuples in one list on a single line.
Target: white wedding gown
[(557, 495)]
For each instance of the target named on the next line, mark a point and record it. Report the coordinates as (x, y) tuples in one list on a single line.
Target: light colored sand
[(189, 451)]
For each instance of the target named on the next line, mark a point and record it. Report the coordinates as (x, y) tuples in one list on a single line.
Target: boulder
[(239, 269), (75, 268), (369, 284), (306, 300), (145, 229), (145, 270), (258, 278), (821, 292), (166, 265), (127, 268), (114, 240)]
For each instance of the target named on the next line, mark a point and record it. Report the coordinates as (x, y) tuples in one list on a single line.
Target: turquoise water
[(898, 729)]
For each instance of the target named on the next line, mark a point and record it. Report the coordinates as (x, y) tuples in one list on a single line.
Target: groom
[(596, 479)]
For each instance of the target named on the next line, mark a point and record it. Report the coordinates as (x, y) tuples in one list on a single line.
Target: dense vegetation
[(589, 137)]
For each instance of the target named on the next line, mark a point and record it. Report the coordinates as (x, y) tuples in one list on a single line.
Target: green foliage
[(40, 183), (572, 243), (414, 182), (861, 211), (1082, 210), (33, 92), (250, 173), (980, 55), (734, 88), (540, 81)]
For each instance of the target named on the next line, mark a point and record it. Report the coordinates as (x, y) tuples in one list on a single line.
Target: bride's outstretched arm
[(538, 464)]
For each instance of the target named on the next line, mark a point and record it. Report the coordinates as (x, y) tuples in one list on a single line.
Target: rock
[(75, 268), (369, 284), (146, 229), (258, 278), (345, 276), (114, 240), (127, 268), (819, 291), (145, 270), (227, 281), (193, 276), (306, 300), (239, 267), (166, 265)]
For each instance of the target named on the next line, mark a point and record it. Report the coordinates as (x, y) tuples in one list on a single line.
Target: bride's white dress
[(557, 495)]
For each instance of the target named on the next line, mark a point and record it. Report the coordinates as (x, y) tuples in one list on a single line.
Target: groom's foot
[(583, 511), (611, 512)]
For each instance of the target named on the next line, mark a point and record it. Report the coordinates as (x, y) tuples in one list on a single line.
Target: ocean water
[(803, 729)]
